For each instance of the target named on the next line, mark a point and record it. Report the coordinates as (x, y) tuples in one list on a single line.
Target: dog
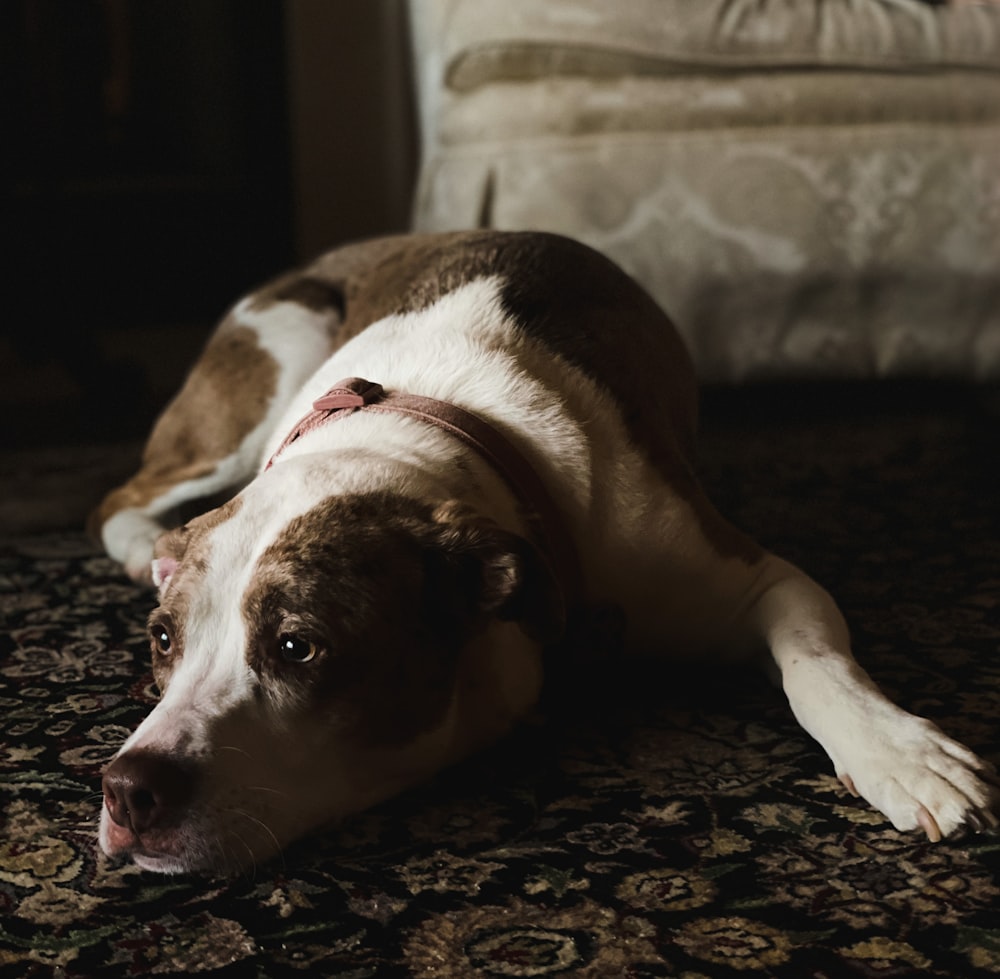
[(434, 454)]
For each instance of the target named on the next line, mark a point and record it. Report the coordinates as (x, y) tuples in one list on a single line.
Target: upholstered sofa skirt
[(809, 187)]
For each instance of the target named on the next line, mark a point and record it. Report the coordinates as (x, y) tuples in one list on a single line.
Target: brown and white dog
[(373, 602)]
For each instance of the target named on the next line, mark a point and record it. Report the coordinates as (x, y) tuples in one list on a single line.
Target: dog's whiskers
[(234, 863), (266, 788), (259, 822)]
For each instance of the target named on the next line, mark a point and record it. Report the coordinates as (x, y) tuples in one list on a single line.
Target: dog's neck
[(540, 512)]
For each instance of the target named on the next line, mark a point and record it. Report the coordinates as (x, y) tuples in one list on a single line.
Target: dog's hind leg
[(902, 764), (208, 441)]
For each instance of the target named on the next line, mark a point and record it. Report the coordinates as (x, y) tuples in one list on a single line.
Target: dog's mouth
[(189, 842)]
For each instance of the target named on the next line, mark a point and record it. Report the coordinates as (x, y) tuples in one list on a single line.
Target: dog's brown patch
[(388, 595), (226, 395)]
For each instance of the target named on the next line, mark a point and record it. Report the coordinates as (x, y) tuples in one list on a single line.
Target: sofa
[(808, 187)]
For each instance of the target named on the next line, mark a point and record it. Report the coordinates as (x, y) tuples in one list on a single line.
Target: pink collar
[(539, 509)]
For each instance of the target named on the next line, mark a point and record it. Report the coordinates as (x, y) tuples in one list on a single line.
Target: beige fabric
[(794, 209)]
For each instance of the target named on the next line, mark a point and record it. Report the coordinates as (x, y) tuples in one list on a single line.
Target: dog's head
[(311, 667)]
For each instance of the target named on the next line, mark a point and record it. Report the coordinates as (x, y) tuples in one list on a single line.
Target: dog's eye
[(162, 642), (295, 649)]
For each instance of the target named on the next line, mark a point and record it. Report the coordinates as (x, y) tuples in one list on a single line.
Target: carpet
[(661, 825)]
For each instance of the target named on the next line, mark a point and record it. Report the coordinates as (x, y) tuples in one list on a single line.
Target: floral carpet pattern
[(666, 828)]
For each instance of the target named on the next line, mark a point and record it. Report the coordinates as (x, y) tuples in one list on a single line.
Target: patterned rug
[(674, 826)]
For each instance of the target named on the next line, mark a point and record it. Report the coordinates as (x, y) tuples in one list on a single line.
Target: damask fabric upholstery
[(809, 187), (669, 827)]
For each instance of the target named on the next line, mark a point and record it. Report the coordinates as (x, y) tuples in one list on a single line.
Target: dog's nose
[(144, 790)]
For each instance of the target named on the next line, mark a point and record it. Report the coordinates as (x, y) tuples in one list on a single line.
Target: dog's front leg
[(208, 441), (903, 765)]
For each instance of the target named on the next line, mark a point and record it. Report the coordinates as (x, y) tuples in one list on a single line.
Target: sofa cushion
[(525, 39)]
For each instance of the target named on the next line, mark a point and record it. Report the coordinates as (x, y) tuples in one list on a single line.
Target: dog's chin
[(160, 863), (202, 861), (157, 861), (192, 863)]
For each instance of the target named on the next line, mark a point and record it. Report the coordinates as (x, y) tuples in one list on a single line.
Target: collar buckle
[(353, 393)]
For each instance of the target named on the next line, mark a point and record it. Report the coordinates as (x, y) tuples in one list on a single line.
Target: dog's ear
[(167, 553), (171, 547), (498, 573)]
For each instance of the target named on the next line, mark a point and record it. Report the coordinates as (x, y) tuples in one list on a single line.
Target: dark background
[(161, 158)]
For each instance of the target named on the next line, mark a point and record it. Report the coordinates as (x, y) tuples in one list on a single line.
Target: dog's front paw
[(920, 778)]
